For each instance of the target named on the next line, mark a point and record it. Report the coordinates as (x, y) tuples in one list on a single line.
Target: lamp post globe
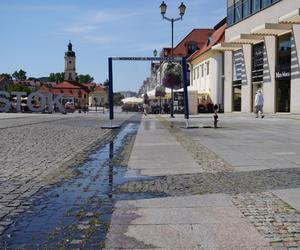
[(163, 8), (182, 9)]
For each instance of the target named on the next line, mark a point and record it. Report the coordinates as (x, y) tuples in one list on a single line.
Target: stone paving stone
[(272, 217), (175, 223)]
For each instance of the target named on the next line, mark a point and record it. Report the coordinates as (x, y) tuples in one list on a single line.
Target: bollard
[(216, 108)]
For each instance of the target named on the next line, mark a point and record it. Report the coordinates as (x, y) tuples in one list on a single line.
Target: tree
[(117, 98), (106, 83), (19, 75), (84, 78), (18, 88), (56, 77), (8, 76)]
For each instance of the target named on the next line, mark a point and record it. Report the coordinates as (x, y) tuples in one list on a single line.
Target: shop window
[(283, 73), (258, 63)]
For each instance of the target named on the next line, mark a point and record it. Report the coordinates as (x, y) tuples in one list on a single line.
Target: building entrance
[(283, 96), (237, 98)]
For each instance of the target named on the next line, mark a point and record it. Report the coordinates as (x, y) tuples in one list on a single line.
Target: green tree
[(106, 83), (19, 75), (117, 98), (8, 76), (18, 88), (56, 77), (84, 78)]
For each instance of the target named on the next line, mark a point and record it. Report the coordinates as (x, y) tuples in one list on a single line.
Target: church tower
[(70, 64)]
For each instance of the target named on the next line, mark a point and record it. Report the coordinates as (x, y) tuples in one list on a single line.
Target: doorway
[(237, 98), (283, 96)]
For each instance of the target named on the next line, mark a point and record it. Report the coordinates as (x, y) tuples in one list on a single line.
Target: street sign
[(178, 59)]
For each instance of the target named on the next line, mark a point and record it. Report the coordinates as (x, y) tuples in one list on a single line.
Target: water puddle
[(76, 214)]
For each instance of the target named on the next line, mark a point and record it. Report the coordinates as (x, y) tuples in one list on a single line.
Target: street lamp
[(163, 10)]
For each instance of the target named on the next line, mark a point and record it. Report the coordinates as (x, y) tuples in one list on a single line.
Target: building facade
[(262, 51), (206, 71)]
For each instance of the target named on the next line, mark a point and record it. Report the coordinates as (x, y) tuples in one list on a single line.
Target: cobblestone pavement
[(37, 150), (207, 160), (275, 219)]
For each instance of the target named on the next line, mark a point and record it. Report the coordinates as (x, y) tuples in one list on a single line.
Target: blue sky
[(35, 34)]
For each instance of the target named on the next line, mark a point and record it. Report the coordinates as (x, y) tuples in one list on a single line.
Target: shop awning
[(271, 29), (246, 39), (291, 18), (227, 47)]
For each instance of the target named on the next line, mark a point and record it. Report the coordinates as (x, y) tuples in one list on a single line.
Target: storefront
[(283, 74), (268, 38)]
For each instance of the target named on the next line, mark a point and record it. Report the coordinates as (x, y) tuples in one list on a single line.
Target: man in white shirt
[(259, 104)]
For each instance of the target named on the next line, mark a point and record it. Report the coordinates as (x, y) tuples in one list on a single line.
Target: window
[(194, 74), (202, 70), (265, 3), (191, 48), (258, 63), (197, 72), (207, 68), (238, 10), (255, 5), (246, 8)]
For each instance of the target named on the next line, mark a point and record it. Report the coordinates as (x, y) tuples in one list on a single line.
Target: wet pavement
[(76, 213)]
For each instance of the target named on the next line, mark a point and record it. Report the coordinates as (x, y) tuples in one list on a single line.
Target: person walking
[(259, 104)]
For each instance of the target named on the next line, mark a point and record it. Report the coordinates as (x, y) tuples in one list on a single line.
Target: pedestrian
[(259, 104)]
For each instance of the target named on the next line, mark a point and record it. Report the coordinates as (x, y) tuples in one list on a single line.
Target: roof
[(99, 89), (66, 85), (198, 36), (218, 36)]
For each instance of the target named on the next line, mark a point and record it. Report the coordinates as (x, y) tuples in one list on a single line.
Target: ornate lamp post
[(163, 10)]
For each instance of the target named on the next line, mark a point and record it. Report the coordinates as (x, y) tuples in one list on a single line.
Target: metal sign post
[(110, 78)]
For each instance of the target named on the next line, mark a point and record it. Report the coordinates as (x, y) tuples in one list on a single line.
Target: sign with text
[(283, 72), (16, 100)]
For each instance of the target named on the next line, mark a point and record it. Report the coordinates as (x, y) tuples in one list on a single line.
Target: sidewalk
[(222, 219)]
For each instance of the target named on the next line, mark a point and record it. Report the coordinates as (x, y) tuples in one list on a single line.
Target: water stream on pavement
[(76, 213)]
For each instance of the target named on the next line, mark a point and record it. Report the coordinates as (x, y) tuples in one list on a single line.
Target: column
[(295, 70), (228, 81), (246, 79), (269, 85)]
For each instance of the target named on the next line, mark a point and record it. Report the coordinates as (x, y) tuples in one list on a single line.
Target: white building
[(262, 50), (206, 71)]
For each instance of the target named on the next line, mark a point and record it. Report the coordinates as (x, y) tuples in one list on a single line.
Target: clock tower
[(70, 64)]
